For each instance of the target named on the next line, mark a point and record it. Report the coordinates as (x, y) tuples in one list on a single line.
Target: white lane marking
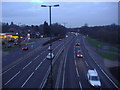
[(27, 65), (17, 64), (44, 51), (75, 63), (47, 73), (38, 66), (12, 78), (80, 85), (74, 56), (86, 63), (64, 72), (77, 72), (45, 78), (58, 46), (102, 70), (36, 57), (74, 51), (27, 79), (105, 74), (109, 79), (7, 70), (59, 74)]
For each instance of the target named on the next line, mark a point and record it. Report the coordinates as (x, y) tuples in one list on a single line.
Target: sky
[(70, 14)]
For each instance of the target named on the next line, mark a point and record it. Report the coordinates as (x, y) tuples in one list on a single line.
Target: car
[(50, 56), (15, 43), (9, 46), (25, 48), (79, 55), (77, 45), (93, 78), (50, 48), (60, 39)]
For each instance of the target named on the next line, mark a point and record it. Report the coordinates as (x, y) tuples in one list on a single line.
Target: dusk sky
[(74, 14)]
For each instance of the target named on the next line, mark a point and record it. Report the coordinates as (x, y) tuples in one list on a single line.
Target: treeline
[(55, 30), (43, 29), (108, 34)]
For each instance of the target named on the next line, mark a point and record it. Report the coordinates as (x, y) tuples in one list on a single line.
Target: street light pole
[(51, 50), (50, 40)]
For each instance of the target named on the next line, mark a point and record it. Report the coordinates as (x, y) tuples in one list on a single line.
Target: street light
[(57, 5)]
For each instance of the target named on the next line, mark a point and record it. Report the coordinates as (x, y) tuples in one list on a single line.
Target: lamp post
[(50, 6)]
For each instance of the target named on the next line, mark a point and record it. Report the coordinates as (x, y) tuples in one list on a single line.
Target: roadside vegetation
[(9, 49), (53, 40), (29, 41), (99, 44), (95, 43), (110, 56)]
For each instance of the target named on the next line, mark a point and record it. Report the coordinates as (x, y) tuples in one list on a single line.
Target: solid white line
[(86, 63), (64, 72), (47, 73), (58, 75), (102, 70), (27, 65), (105, 74), (77, 72), (80, 85), (12, 78), (46, 77), (109, 79), (27, 80)]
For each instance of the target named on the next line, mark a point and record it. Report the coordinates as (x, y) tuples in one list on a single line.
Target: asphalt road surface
[(32, 70)]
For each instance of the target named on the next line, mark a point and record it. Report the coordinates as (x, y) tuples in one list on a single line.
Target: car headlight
[(93, 85)]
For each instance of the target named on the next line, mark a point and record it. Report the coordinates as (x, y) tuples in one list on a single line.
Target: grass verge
[(110, 56), (99, 44), (95, 43), (9, 49)]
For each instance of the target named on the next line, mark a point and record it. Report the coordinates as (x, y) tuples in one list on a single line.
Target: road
[(70, 72), (75, 70), (19, 53)]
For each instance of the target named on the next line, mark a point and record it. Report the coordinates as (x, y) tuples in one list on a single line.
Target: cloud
[(74, 13)]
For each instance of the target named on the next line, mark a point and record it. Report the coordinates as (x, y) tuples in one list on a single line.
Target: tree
[(46, 29)]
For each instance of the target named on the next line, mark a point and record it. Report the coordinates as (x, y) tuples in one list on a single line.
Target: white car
[(50, 55), (93, 78)]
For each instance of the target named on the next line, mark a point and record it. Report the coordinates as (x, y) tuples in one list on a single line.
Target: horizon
[(31, 13)]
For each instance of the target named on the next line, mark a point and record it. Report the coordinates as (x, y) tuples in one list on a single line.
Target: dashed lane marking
[(27, 65), (80, 85), (12, 78)]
